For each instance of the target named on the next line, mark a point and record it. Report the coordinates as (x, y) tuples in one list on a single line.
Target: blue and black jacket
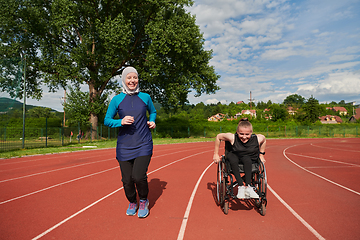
[(134, 140)]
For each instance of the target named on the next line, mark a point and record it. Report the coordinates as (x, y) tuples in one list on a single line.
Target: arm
[(110, 114), (152, 113), (112, 111), (262, 146), (221, 137)]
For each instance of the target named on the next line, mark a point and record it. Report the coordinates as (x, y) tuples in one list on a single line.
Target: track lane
[(327, 207), (172, 186), (166, 207)]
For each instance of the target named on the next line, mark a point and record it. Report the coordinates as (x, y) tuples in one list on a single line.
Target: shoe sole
[(143, 216), (128, 214)]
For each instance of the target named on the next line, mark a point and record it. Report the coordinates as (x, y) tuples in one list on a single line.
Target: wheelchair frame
[(225, 185)]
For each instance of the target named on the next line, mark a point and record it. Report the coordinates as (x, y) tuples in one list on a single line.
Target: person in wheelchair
[(246, 149)]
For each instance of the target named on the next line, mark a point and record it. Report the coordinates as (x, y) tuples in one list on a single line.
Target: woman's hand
[(216, 158), (127, 120), (151, 125)]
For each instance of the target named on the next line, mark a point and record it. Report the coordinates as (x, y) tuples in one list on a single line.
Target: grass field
[(91, 145)]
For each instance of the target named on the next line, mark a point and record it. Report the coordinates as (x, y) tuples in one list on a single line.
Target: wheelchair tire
[(226, 207), (262, 209), (220, 184)]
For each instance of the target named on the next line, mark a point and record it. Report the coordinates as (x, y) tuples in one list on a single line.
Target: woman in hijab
[(134, 144)]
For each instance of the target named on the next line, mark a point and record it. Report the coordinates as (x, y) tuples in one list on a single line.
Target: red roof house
[(341, 110), (329, 119)]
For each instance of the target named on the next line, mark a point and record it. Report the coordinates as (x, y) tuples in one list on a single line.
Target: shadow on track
[(156, 188)]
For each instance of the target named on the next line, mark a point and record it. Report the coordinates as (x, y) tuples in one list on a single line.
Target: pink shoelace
[(142, 205), (132, 205)]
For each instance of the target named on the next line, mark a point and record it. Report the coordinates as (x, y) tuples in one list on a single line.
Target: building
[(217, 117), (291, 110), (267, 114), (249, 112), (329, 119), (356, 117), (341, 110)]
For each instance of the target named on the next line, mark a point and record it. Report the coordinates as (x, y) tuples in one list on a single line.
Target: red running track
[(313, 194)]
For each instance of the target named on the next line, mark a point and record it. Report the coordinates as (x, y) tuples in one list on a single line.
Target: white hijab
[(125, 72)]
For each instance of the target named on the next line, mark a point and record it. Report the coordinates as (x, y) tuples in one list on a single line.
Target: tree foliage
[(312, 110), (70, 42), (294, 99), (77, 107), (40, 112), (278, 113)]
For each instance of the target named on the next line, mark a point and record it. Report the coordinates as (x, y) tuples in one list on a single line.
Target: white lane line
[(324, 159), (75, 214), (57, 185), (188, 208), (50, 156), (337, 149), (317, 174), (6, 180), (311, 229), (40, 173), (94, 203), (323, 167)]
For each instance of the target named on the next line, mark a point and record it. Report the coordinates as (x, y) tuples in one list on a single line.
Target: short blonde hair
[(244, 122)]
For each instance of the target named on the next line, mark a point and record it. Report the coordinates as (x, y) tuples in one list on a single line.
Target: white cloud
[(275, 48), (344, 83)]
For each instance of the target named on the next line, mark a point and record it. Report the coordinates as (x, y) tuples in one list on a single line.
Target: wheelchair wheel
[(226, 207), (220, 184), (261, 188), (262, 209)]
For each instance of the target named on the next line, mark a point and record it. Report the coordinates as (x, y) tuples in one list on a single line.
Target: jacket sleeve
[(151, 109), (111, 112)]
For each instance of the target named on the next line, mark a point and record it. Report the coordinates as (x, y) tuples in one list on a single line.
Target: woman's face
[(131, 81), (244, 134)]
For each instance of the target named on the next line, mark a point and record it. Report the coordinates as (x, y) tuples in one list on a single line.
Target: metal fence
[(11, 138)]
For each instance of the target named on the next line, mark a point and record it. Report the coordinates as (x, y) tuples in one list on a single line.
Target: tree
[(278, 112), (38, 112), (312, 110), (70, 42), (294, 99), (78, 107)]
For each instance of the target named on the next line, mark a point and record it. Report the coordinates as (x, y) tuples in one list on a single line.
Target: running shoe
[(250, 193), (131, 211), (241, 192), (143, 208)]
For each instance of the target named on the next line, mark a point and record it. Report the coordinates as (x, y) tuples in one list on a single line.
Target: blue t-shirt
[(134, 140)]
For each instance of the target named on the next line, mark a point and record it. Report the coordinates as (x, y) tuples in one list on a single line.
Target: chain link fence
[(11, 138)]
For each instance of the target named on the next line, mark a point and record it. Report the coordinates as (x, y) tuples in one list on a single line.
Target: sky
[(276, 48)]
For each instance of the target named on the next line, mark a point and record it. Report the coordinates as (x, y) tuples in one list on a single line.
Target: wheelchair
[(225, 183)]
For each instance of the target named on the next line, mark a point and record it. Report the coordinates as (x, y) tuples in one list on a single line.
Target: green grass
[(98, 144)]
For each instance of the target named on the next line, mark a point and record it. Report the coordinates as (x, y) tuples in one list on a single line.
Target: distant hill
[(7, 104)]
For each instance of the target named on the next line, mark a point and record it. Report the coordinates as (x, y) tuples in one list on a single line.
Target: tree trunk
[(93, 116), (94, 125)]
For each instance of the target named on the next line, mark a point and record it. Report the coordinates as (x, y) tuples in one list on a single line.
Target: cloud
[(275, 48), (344, 83)]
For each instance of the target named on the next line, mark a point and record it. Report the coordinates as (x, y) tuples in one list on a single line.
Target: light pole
[(64, 98), (354, 107), (24, 103)]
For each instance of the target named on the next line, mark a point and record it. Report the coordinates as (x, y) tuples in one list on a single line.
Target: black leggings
[(234, 162), (134, 177)]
